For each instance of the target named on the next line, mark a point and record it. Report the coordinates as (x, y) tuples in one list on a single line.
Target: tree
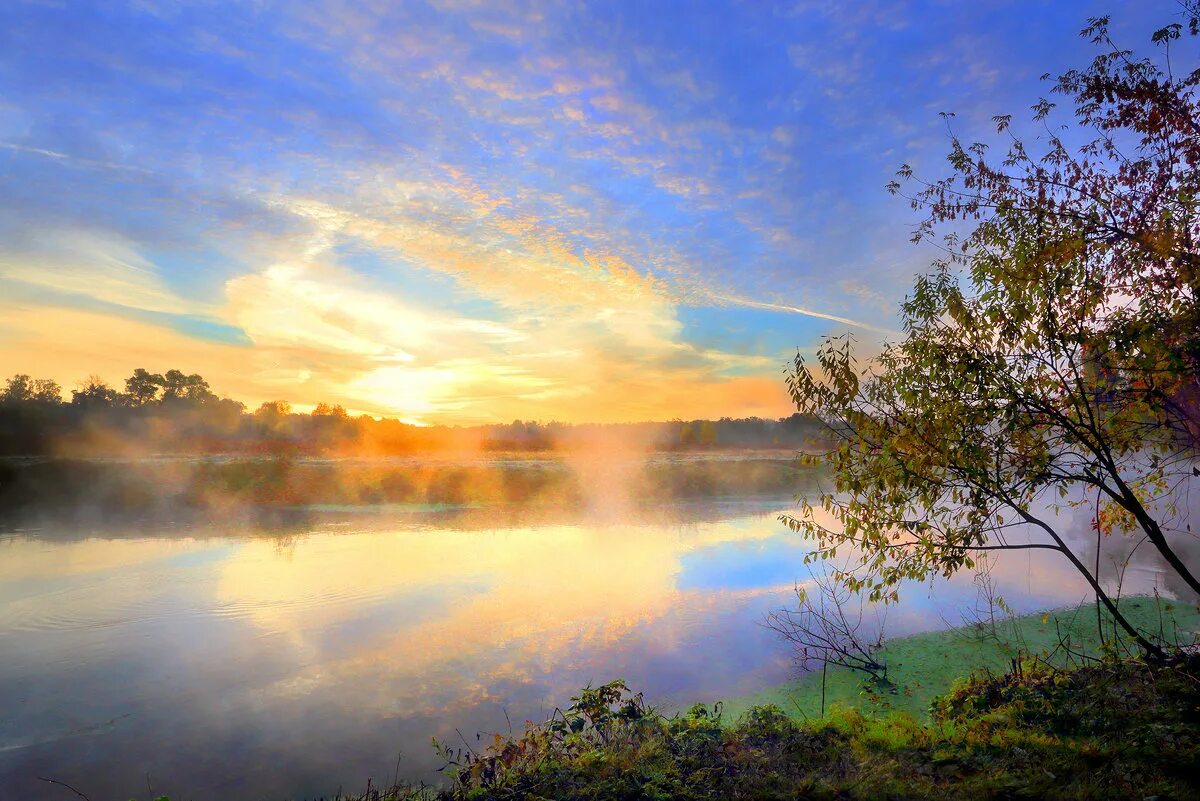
[(337, 412), (224, 414), (273, 410), (178, 386), (46, 390), (1051, 355), (272, 417), (142, 387), (22, 389), (687, 434), (19, 389), (94, 392)]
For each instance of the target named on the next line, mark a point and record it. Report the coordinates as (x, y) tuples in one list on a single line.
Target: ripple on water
[(101, 605)]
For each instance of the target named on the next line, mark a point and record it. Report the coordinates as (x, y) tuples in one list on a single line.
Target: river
[(298, 655)]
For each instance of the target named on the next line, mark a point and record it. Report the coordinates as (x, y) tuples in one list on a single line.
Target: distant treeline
[(176, 412)]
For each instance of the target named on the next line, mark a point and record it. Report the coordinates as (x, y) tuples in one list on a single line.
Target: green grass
[(923, 666)]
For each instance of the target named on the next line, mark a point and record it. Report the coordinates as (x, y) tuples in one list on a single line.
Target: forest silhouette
[(178, 413)]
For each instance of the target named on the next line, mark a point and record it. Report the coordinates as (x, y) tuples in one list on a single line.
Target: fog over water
[(295, 656)]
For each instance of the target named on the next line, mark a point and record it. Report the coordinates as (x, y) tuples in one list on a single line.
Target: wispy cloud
[(780, 307), (73, 160)]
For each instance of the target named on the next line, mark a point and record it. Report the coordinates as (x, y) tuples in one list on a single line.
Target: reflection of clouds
[(28, 559), (96, 584), (327, 652), (536, 595), (518, 604), (1124, 563)]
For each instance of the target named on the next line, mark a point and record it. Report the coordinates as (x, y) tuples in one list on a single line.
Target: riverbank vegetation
[(178, 413), (986, 641), (1113, 728), (1116, 729)]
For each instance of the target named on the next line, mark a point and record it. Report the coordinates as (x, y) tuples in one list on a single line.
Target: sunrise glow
[(462, 212)]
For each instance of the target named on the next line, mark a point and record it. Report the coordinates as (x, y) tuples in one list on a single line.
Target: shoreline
[(925, 665)]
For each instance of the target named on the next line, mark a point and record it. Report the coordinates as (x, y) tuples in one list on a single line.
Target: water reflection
[(288, 662)]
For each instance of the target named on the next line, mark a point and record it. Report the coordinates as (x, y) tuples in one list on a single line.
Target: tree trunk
[(1148, 647)]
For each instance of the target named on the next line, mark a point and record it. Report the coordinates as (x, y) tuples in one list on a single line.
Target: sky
[(466, 212)]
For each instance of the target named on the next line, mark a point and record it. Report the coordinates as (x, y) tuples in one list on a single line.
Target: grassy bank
[(1113, 729), (923, 666), (1079, 719)]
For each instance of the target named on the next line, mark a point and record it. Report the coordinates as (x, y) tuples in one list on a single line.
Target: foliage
[(1123, 729), (176, 412), (1052, 355), (607, 744), (23, 389)]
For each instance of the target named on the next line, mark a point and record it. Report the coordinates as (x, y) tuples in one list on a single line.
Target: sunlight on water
[(323, 651)]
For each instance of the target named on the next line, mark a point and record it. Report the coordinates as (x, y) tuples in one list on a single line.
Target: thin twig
[(64, 784)]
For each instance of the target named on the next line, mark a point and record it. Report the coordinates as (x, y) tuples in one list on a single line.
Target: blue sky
[(466, 211)]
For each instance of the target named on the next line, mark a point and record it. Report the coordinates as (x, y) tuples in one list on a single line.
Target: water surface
[(288, 660)]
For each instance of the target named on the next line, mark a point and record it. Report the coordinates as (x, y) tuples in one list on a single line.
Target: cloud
[(754, 304), (95, 264), (574, 334), (76, 161), (293, 305), (513, 259), (608, 349), (469, 211)]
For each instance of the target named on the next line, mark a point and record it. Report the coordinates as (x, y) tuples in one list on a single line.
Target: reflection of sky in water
[(743, 565), (290, 665)]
